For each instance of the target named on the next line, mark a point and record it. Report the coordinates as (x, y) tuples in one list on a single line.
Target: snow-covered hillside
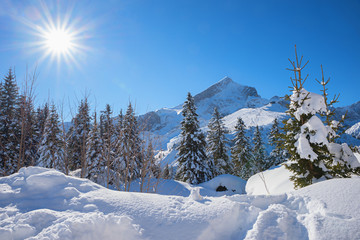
[(39, 203), (354, 130)]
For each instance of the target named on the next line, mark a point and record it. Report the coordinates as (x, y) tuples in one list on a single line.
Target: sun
[(58, 41)]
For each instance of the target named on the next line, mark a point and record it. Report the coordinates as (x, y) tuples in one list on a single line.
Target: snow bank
[(39, 203), (277, 181)]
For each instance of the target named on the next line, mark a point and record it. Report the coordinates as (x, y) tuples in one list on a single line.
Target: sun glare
[(58, 41), (59, 37)]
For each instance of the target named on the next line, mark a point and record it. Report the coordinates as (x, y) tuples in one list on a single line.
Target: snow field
[(39, 203)]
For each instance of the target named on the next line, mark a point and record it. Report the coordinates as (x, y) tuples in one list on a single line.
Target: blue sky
[(154, 52)]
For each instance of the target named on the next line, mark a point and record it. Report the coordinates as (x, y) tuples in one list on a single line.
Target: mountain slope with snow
[(39, 203), (354, 130)]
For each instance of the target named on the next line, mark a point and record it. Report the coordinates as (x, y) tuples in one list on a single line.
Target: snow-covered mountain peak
[(228, 96), (226, 85)]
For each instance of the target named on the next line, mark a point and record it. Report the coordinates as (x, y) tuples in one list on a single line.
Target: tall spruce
[(241, 152), (119, 166), (192, 161), (132, 147), (277, 155), (78, 134), (51, 147), (260, 161), (217, 145), (95, 163), (9, 124)]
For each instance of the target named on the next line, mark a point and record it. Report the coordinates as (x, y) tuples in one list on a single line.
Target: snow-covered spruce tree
[(118, 165), (9, 124), (277, 155), (78, 134), (95, 163), (241, 154), (41, 115), (132, 147), (217, 145), (313, 154), (260, 161), (51, 147), (193, 166)]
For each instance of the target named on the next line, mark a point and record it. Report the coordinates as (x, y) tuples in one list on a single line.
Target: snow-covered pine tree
[(132, 147), (260, 161), (241, 152), (78, 134), (41, 115), (51, 147), (9, 124), (344, 163), (313, 154), (95, 163), (277, 155), (119, 166), (217, 146), (193, 165)]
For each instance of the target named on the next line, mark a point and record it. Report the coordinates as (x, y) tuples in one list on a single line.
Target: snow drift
[(39, 203)]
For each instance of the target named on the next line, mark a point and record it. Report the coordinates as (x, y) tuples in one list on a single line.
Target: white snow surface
[(309, 103), (354, 130), (276, 179), (39, 203)]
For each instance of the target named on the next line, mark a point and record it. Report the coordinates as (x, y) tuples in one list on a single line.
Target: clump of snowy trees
[(113, 150), (200, 159), (310, 132), (109, 152)]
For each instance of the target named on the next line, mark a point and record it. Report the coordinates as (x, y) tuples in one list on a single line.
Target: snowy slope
[(39, 203), (262, 116), (227, 95), (354, 130)]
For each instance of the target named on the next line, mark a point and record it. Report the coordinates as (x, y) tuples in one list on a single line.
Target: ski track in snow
[(39, 203)]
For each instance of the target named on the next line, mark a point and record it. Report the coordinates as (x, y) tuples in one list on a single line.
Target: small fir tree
[(309, 142), (241, 152), (193, 165), (217, 145)]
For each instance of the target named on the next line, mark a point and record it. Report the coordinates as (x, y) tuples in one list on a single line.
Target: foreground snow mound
[(39, 203), (276, 180)]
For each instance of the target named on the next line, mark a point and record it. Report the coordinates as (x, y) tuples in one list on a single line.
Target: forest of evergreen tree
[(112, 150)]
